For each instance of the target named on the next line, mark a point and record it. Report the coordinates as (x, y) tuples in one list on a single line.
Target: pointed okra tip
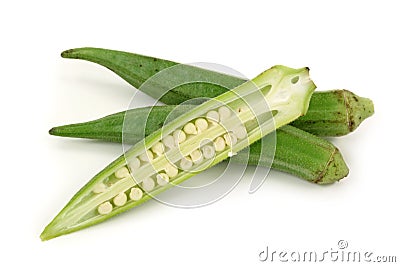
[(57, 227), (335, 170), (358, 109), (67, 53), (48, 233), (53, 131), (79, 53), (66, 130)]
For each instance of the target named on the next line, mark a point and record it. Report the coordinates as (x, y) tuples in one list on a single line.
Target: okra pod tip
[(335, 170), (359, 108)]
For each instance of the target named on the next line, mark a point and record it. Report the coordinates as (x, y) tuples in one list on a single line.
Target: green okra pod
[(192, 142), (332, 113), (297, 152)]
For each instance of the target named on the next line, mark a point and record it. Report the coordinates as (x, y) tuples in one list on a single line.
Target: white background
[(347, 44)]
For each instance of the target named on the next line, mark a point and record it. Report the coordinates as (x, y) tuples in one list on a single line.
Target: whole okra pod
[(296, 152), (195, 141), (330, 114)]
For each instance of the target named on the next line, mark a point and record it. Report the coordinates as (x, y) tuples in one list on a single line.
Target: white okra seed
[(99, 188), (134, 164), (120, 199), (240, 132), (196, 156), (201, 124), (168, 141), (212, 116), (219, 144), (158, 148), (190, 128), (179, 136), (147, 156), (148, 184), (186, 163), (162, 179), (135, 194), (104, 208), (208, 151), (224, 113), (230, 139), (122, 173), (171, 170)]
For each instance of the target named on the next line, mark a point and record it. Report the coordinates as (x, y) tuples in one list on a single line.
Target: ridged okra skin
[(187, 145), (332, 113), (302, 154), (335, 113), (296, 152)]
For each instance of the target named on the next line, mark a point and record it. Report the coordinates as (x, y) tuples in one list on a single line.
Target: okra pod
[(333, 113), (297, 152), (183, 147)]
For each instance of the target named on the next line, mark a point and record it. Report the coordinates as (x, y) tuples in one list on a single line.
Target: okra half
[(333, 113), (296, 151), (195, 141)]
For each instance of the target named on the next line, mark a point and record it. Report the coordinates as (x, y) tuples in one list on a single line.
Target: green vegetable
[(332, 113), (297, 152), (335, 113), (190, 143)]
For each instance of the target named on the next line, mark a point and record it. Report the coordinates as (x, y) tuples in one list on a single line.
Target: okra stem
[(333, 113)]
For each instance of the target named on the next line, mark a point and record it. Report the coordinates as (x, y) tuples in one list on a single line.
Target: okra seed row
[(192, 128), (121, 199), (205, 151)]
